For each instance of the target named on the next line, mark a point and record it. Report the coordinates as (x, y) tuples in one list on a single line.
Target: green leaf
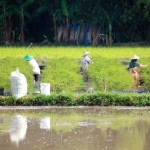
[(42, 9), (64, 7), (27, 3), (6, 14), (2, 3), (27, 15)]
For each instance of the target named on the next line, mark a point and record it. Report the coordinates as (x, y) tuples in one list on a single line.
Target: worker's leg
[(37, 82), (136, 79), (36, 77)]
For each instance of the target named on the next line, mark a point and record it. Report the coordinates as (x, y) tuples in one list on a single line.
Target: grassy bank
[(94, 99)]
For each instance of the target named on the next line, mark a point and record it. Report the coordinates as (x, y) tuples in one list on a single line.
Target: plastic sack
[(18, 128), (18, 84), (45, 123)]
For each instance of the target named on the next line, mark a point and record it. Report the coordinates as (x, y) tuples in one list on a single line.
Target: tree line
[(80, 22)]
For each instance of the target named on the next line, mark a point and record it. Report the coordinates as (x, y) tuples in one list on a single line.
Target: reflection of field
[(68, 119), (67, 127)]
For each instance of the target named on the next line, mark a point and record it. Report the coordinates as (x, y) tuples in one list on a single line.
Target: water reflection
[(1, 120), (45, 123), (18, 128), (92, 128)]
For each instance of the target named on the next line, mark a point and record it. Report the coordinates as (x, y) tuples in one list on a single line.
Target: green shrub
[(89, 100), (94, 99), (44, 100), (7, 101), (122, 100)]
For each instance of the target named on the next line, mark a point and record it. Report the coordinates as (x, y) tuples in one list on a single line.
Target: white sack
[(18, 84)]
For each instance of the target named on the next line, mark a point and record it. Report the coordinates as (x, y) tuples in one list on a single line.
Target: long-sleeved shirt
[(86, 61), (35, 66)]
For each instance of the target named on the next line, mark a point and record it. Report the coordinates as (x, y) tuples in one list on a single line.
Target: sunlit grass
[(51, 53), (75, 52)]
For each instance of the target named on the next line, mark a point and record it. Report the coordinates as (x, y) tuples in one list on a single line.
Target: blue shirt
[(133, 64)]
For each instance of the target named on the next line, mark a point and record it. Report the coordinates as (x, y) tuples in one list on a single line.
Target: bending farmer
[(35, 67), (133, 69), (85, 61)]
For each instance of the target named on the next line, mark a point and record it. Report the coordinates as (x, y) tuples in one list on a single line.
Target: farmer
[(133, 69), (35, 67), (85, 61)]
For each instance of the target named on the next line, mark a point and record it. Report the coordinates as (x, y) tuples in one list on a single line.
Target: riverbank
[(70, 107), (86, 99)]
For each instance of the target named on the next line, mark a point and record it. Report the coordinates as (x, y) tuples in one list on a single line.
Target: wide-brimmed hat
[(86, 53), (28, 57), (135, 57)]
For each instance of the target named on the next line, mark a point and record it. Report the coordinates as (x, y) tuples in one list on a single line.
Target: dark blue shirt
[(133, 64)]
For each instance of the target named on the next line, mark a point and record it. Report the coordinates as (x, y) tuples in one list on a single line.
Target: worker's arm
[(143, 66)]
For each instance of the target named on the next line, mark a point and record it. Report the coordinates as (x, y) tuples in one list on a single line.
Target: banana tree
[(110, 19), (6, 13), (65, 10), (21, 11), (55, 12)]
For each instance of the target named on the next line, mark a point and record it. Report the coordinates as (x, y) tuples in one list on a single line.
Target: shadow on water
[(78, 128)]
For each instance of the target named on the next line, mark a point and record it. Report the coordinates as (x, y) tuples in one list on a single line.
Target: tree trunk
[(110, 34), (67, 22), (22, 35), (22, 32), (7, 29), (55, 28)]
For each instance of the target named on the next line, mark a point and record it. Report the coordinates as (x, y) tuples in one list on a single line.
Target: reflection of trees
[(18, 128)]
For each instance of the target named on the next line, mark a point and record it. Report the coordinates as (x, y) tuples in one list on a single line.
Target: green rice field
[(62, 65)]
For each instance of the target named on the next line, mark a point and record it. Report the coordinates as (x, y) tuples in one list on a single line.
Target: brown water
[(75, 128)]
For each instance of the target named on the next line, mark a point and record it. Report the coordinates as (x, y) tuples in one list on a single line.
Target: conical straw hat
[(86, 53), (28, 57), (135, 57)]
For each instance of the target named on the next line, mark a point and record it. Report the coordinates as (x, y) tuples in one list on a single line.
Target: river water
[(74, 128)]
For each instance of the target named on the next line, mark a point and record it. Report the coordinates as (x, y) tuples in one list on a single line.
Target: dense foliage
[(26, 21)]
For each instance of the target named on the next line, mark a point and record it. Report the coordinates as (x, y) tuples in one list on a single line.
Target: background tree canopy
[(80, 22)]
